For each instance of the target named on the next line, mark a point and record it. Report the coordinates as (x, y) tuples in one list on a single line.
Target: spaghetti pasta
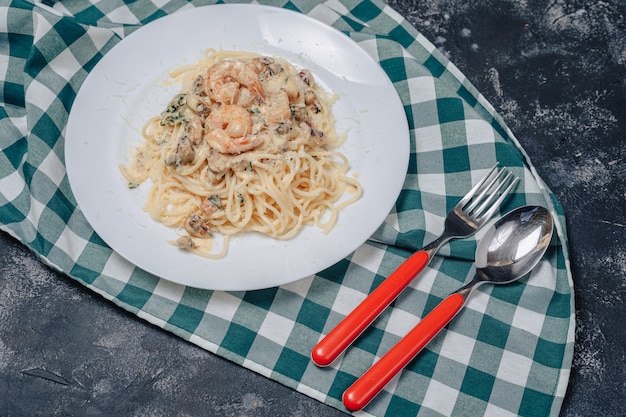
[(246, 146)]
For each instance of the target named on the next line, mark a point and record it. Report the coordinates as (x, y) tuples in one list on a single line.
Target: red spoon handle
[(342, 336), (373, 381)]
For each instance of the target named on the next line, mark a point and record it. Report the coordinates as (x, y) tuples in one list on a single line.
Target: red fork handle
[(342, 336), (373, 381)]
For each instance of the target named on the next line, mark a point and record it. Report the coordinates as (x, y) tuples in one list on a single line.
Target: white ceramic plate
[(127, 87)]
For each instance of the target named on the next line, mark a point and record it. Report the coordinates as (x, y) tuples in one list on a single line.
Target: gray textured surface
[(555, 70)]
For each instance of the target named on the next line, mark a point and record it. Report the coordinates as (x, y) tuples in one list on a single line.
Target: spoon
[(510, 249)]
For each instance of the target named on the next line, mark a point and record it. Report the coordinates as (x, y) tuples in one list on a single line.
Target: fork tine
[(488, 201), (490, 212), (485, 190), (485, 197), (476, 188)]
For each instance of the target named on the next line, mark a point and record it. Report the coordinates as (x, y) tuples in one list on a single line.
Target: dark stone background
[(556, 72)]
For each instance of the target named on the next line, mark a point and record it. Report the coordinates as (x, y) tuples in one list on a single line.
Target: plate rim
[(70, 152)]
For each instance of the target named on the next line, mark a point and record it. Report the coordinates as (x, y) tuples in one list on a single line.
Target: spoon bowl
[(513, 246), (509, 250)]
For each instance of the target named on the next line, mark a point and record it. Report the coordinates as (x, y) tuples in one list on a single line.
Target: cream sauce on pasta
[(246, 146)]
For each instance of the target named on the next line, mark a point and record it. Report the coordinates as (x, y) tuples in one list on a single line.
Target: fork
[(467, 217)]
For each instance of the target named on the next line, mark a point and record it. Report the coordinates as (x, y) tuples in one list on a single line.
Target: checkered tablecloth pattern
[(507, 353)]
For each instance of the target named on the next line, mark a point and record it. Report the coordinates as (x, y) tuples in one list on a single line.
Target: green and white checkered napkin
[(507, 353)]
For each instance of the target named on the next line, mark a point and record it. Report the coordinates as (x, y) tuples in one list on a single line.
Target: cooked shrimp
[(229, 130), (226, 93), (235, 120), (226, 78), (245, 98), (223, 143)]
